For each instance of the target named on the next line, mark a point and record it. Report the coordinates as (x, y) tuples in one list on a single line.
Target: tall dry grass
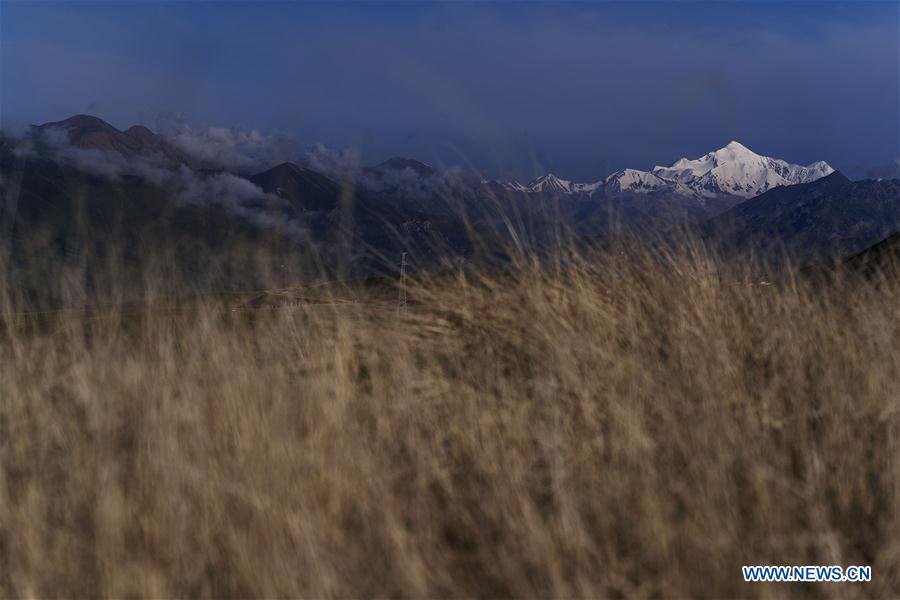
[(604, 426)]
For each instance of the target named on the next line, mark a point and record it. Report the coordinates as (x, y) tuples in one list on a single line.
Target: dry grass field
[(618, 427)]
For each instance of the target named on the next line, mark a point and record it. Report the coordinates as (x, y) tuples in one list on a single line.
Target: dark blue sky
[(580, 88)]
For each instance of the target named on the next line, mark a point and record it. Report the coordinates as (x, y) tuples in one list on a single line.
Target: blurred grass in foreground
[(604, 425)]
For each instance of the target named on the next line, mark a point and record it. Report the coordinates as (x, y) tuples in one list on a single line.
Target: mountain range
[(745, 201), (733, 170)]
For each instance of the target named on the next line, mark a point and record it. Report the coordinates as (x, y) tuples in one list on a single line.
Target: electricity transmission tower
[(401, 296)]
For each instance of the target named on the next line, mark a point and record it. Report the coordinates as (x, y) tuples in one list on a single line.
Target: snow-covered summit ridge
[(550, 183), (733, 170), (634, 180)]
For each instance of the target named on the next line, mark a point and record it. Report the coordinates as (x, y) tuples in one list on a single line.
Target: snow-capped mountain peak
[(737, 170), (550, 183), (685, 169), (736, 146)]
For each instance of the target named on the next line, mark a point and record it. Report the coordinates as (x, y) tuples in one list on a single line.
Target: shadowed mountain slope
[(305, 189), (879, 260), (830, 217)]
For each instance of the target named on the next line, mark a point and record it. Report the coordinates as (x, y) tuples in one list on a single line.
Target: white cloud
[(228, 147), (240, 196)]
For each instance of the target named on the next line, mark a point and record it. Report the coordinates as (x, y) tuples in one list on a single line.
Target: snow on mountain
[(513, 186), (586, 188), (550, 183), (734, 170), (632, 180), (737, 170)]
